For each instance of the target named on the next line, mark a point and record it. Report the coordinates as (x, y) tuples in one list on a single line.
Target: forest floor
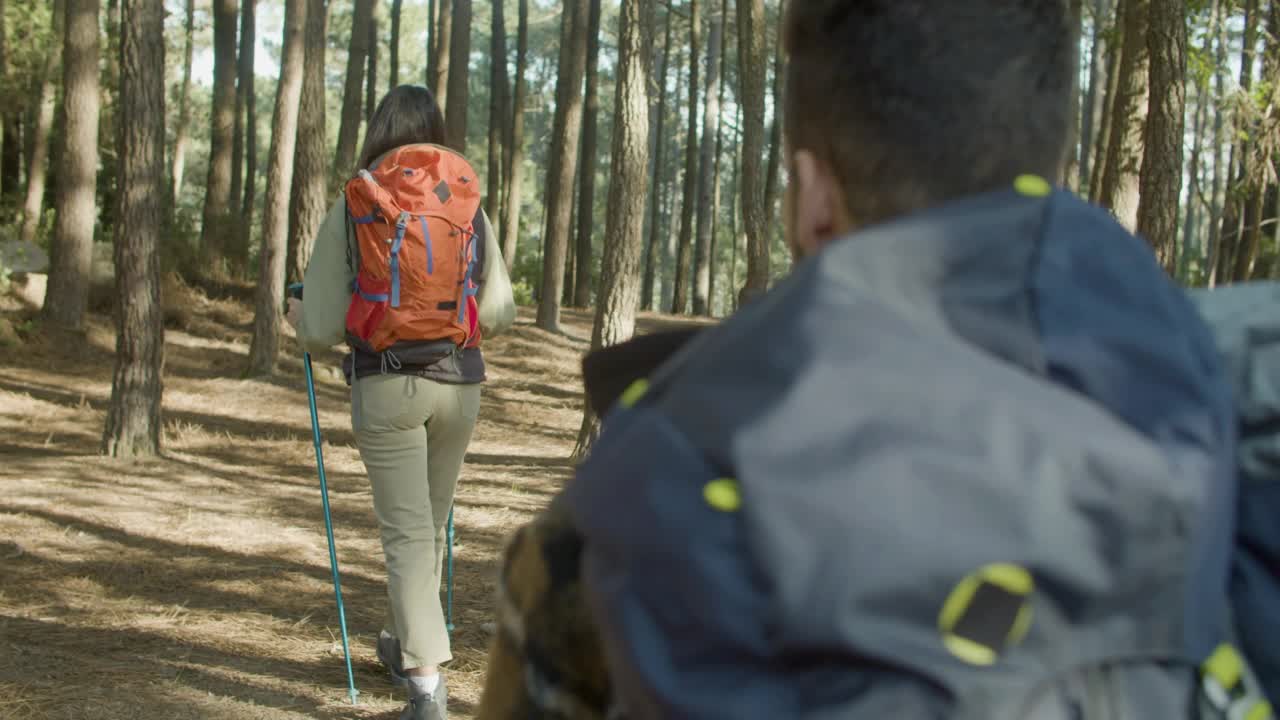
[(197, 585)]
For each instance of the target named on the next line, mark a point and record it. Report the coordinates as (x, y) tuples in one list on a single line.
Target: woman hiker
[(407, 272)]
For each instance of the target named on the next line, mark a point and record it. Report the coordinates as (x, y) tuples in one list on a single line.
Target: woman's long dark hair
[(407, 115)]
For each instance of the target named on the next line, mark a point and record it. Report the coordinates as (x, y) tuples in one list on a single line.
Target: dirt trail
[(197, 585)]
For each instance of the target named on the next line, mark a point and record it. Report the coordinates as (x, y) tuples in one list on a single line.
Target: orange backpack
[(417, 249)]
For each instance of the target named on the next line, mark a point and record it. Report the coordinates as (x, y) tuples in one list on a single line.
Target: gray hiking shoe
[(389, 654), (428, 707)]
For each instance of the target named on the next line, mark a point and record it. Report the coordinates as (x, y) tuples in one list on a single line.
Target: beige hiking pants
[(413, 435)]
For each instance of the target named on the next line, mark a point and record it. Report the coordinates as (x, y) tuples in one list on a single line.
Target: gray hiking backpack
[(1245, 320), (1235, 682)]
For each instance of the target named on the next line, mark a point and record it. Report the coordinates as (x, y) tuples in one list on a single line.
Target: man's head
[(894, 106)]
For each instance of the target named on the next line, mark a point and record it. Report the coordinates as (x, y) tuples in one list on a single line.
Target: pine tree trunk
[(393, 72), (71, 251), (1190, 232), (344, 159), (109, 88), (1258, 207), (566, 126), (751, 71), (706, 167), (218, 224), (133, 418), (1095, 95), (588, 157), (1238, 194), (684, 255), (444, 27), (430, 79), (657, 185), (244, 54), (1071, 163), (247, 194), (775, 129), (498, 101), (269, 298), (46, 98), (455, 118), (619, 271), (1102, 144), (1120, 179), (515, 141), (182, 133), (671, 231), (10, 134), (371, 70), (1161, 177), (715, 173), (1217, 199), (309, 198)]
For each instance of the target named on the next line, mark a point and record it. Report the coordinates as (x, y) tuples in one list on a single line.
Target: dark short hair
[(407, 115), (916, 102)]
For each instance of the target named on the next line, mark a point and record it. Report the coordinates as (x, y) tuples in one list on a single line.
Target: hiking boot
[(428, 707), (389, 654)]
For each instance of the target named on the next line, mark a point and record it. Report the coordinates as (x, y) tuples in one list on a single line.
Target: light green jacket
[(328, 281)]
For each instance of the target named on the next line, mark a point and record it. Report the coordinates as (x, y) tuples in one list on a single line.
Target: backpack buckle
[(1229, 688)]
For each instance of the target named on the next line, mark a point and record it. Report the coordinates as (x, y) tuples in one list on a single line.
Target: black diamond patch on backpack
[(442, 191)]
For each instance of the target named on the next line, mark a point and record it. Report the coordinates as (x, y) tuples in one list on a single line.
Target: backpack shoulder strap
[(479, 230)]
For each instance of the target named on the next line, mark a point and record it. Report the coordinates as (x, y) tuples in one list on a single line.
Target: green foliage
[(523, 292)]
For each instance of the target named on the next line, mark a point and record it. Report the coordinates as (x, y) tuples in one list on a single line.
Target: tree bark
[(684, 253), (702, 257), (1120, 180), (133, 417), (269, 298), (182, 133), (217, 225), (444, 27), (566, 126), (498, 100), (619, 272), (371, 71), (72, 249), (1161, 177), (344, 159), (659, 146), (393, 72), (309, 199), (751, 72), (582, 285), (37, 170), (455, 118), (515, 142)]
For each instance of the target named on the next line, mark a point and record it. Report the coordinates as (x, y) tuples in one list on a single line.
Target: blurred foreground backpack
[(1245, 320)]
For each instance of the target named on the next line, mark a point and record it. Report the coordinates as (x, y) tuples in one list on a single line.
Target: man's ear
[(817, 206)]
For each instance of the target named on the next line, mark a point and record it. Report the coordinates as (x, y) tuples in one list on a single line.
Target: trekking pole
[(448, 553), (296, 291)]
